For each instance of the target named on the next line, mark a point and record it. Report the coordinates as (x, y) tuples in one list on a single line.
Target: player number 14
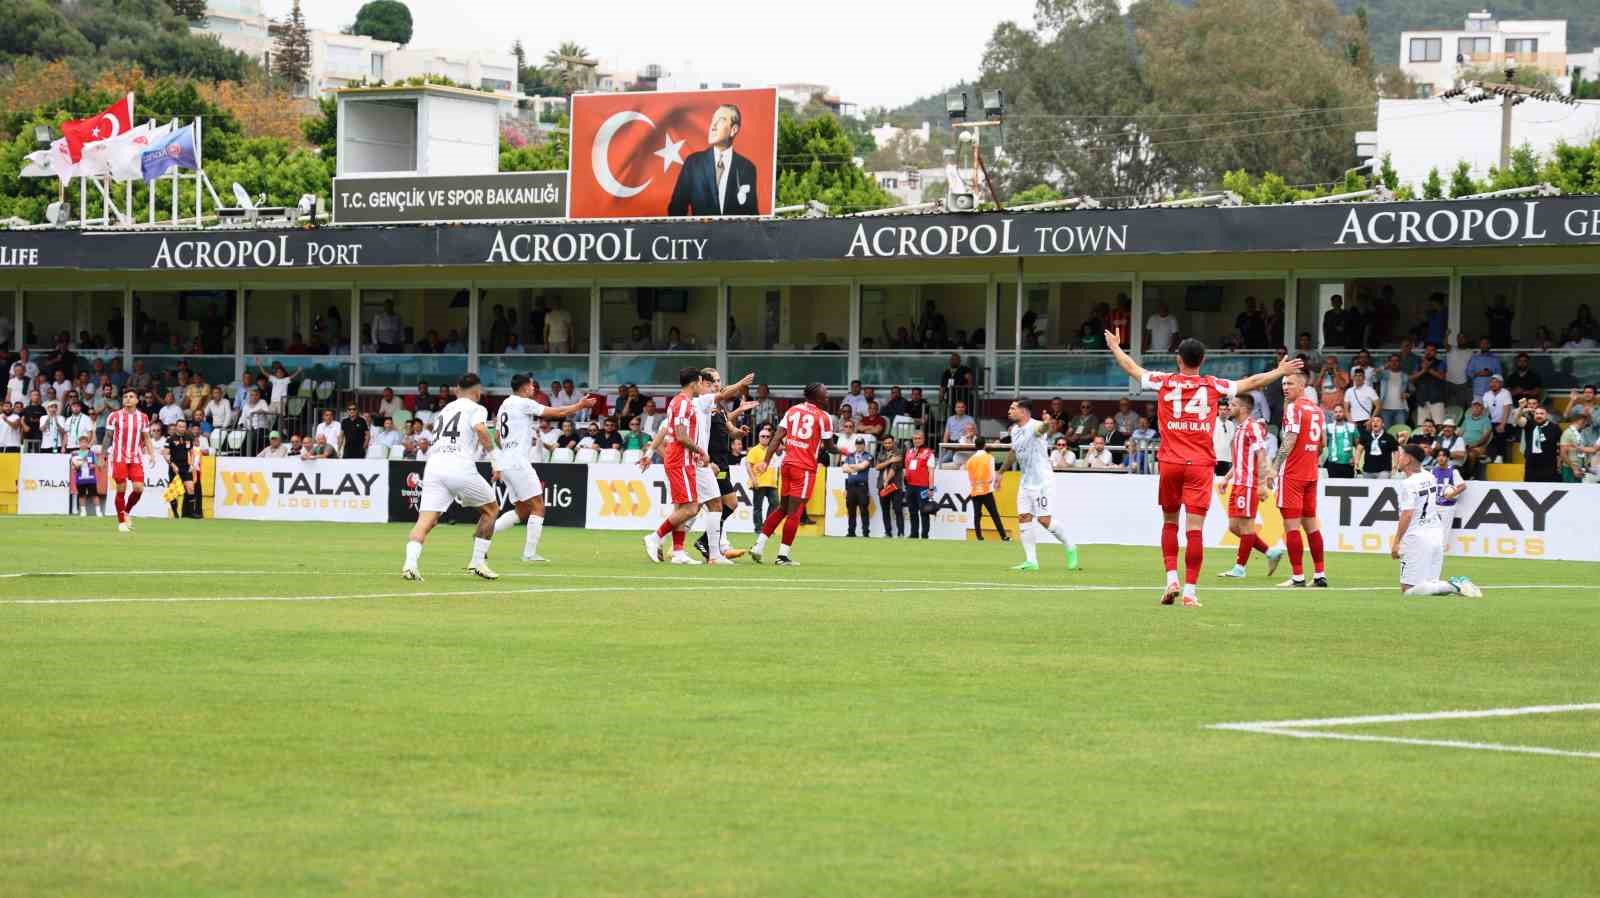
[(1198, 405)]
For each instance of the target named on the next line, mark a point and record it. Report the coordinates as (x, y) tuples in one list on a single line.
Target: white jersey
[(518, 416), (1419, 494), (455, 436), (1032, 454), (703, 407)]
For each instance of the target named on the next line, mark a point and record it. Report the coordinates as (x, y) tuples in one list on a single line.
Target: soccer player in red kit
[(127, 434), (1186, 411), (1299, 451), (1244, 485), (798, 436)]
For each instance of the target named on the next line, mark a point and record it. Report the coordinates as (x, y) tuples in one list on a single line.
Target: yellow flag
[(174, 491)]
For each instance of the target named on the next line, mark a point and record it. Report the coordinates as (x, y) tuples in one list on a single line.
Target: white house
[(1436, 58), (908, 186), (885, 133)]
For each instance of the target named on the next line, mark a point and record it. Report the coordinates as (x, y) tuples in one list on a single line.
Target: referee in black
[(719, 447)]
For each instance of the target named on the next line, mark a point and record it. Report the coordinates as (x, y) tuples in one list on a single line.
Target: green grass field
[(285, 716)]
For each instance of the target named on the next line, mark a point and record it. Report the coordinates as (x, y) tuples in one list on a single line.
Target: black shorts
[(88, 490), (725, 475)]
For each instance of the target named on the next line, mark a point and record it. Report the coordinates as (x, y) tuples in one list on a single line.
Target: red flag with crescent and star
[(116, 119), (679, 154)]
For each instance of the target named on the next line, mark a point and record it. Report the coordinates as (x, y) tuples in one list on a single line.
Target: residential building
[(1419, 135), (885, 134), (1437, 58), (908, 186)]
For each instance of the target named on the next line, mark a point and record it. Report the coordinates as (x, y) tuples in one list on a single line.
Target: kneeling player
[(513, 462), (1246, 481), (1418, 538)]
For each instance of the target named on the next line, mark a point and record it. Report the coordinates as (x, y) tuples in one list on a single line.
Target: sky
[(871, 52)]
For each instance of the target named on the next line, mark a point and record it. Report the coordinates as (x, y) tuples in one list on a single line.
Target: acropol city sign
[(1554, 221)]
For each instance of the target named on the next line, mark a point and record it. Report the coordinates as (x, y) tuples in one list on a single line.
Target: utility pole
[(1510, 95)]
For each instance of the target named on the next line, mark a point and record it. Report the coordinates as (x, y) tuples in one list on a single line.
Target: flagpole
[(83, 200), (197, 173)]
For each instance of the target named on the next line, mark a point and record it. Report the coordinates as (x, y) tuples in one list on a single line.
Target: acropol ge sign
[(408, 199)]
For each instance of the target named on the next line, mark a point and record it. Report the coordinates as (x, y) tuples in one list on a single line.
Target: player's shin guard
[(1297, 561), (1169, 550), (1194, 555), (506, 521), (1314, 543)]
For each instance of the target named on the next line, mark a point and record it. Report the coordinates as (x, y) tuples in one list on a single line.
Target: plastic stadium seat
[(1399, 432), (561, 456), (296, 405), (610, 456), (325, 391), (632, 456), (401, 419), (235, 441), (397, 452), (587, 456), (377, 451), (306, 387)]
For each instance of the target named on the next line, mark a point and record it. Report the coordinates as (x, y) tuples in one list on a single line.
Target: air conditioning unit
[(961, 202)]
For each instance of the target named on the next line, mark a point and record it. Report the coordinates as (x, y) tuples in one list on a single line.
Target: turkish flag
[(116, 119), (650, 155)]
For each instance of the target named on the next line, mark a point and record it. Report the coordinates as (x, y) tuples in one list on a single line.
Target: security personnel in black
[(180, 449), (719, 447)]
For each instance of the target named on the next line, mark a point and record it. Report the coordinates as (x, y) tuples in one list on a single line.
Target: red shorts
[(798, 482), (123, 470), (1297, 498), (1185, 486), (680, 485), (1243, 501)]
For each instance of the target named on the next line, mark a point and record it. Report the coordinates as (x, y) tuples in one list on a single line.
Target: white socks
[(1060, 533), (714, 533), (535, 530), (1030, 541), (1172, 578), (480, 549), (1188, 590), (761, 542), (1431, 588), (783, 551), (413, 553), (506, 521)]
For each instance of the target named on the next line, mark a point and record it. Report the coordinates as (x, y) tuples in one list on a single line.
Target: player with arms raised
[(1418, 537), (128, 442), (513, 459), (1244, 485), (1299, 453), (803, 430), (1186, 411), (461, 433), (1031, 455)]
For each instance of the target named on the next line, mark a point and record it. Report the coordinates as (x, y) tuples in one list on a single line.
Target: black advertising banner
[(565, 494), (509, 196), (1554, 221)]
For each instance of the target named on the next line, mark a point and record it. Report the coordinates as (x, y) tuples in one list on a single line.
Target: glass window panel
[(1383, 312), (1530, 311), (1058, 314), (787, 317), (922, 316), (89, 319), (1223, 314), (297, 322), (512, 317), (652, 369), (425, 320), (671, 318)]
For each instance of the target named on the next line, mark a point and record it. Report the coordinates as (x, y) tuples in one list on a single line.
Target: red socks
[(791, 526), (1194, 555), (1169, 546), (677, 540), (1296, 552), (133, 499), (1251, 543), (665, 528), (122, 507), (1314, 541), (774, 518)]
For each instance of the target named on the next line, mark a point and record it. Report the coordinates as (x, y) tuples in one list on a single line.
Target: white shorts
[(442, 485), (522, 482), (1421, 555), (1033, 502), (706, 488)]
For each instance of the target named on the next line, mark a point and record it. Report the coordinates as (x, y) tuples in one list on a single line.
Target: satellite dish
[(242, 196)]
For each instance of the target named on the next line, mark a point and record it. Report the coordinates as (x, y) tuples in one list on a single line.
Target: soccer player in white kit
[(513, 460), (461, 433), (1030, 453), (1418, 537)]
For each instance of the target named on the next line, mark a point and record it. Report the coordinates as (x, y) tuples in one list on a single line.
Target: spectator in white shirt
[(241, 393), (17, 386), (10, 427), (388, 437), (1361, 400), (59, 387), (171, 412), (390, 404), (217, 410), (1062, 457), (1456, 374), (558, 333), (1162, 329), (274, 448), (855, 400), (80, 423), (650, 421), (422, 447), (388, 332), (1097, 455), (52, 428), (328, 429), (280, 379), (514, 345), (565, 393), (29, 369)]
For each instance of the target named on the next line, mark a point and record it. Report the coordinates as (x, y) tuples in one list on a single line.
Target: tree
[(1527, 76), (1038, 193), (384, 20), (1433, 187), (96, 35), (1236, 95), (1395, 84), (291, 59), (815, 163), (1387, 175), (1461, 182), (551, 155), (569, 68), (193, 10), (521, 55)]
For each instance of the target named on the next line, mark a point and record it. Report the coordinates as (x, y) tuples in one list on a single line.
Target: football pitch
[(216, 708)]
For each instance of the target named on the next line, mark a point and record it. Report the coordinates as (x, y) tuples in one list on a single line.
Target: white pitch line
[(188, 571), (491, 593), (1304, 729)]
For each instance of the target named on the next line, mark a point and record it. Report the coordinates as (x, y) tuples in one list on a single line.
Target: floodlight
[(41, 136), (994, 102), (956, 105)]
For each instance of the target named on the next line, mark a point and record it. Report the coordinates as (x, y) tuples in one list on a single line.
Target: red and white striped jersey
[(694, 416), (1251, 436), (125, 430)]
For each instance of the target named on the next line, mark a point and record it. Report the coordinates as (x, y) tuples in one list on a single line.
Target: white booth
[(425, 130)]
